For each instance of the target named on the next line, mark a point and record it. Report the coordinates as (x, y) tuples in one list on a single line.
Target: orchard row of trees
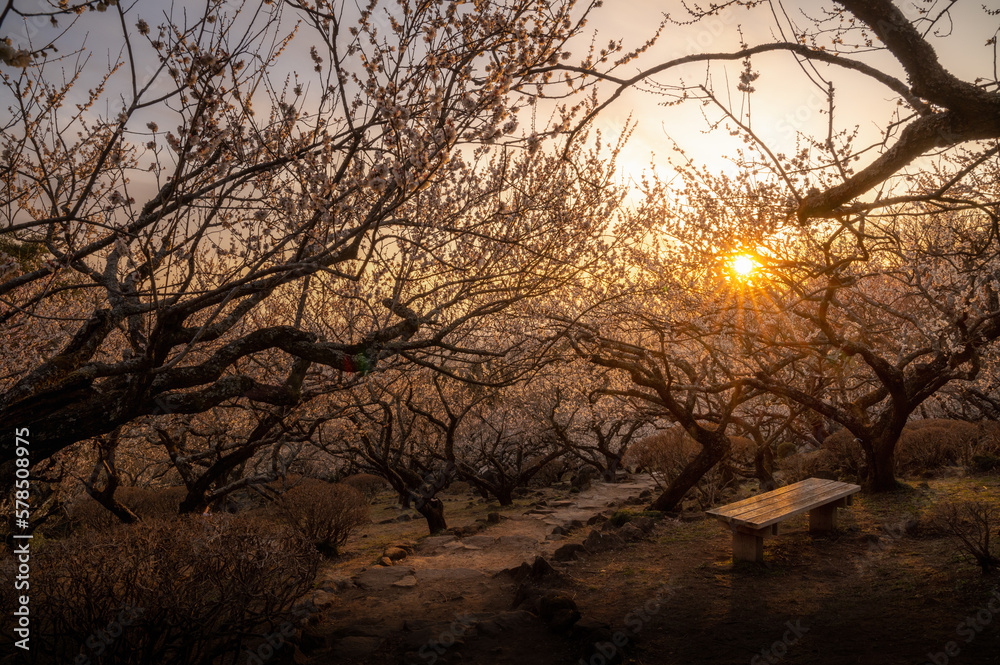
[(414, 255)]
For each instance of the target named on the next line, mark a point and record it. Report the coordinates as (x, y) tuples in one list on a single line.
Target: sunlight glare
[(744, 265)]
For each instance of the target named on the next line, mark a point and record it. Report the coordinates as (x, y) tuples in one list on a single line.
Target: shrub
[(786, 448), (846, 457), (178, 591), (624, 516), (813, 464), (663, 455), (326, 514), (369, 485), (931, 443), (969, 523), (986, 463), (146, 502)]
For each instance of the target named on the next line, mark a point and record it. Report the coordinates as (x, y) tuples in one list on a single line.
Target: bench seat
[(758, 516)]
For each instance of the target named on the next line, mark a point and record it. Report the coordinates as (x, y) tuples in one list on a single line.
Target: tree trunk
[(433, 512), (504, 495), (711, 453), (611, 470), (880, 476), (763, 463)]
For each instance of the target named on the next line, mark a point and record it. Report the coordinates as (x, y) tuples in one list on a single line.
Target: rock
[(645, 494), (493, 518), (407, 582), (575, 524), (432, 543), (517, 541), (630, 533), (590, 631), (583, 478), (559, 531), (381, 578), (317, 636), (322, 599), (337, 584), (385, 561), (598, 541), (542, 568), (394, 554), (644, 524), (599, 517), (541, 502), (479, 541), (692, 516), (568, 552), (558, 611), (356, 647), (539, 568), (505, 621), (467, 530), (456, 575), (405, 517)]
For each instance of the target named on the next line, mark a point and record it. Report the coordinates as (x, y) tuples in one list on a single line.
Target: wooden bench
[(752, 519)]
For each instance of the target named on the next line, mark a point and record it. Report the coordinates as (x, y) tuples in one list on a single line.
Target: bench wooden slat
[(768, 515), (787, 501), (772, 507), (807, 483), (773, 497)]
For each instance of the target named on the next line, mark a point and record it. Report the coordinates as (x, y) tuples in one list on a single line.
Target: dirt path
[(447, 601)]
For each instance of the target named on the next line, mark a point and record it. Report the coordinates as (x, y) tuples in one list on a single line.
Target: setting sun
[(743, 265)]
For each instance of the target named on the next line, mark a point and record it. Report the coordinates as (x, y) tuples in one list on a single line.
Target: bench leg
[(823, 519), (747, 547)]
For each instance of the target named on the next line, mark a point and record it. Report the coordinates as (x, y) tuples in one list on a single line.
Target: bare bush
[(663, 455), (186, 590), (969, 523), (931, 443), (812, 464), (325, 514), (847, 459), (146, 502), (368, 484)]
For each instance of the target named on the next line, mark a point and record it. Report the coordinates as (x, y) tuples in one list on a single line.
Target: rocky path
[(454, 598)]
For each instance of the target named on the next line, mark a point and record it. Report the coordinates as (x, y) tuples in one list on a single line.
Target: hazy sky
[(785, 100)]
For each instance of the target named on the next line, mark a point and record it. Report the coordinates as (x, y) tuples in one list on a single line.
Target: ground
[(884, 589)]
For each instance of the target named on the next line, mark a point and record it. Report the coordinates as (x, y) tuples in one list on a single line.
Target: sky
[(784, 102)]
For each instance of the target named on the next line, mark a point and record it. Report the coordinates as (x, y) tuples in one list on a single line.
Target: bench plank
[(766, 509), (794, 487), (767, 515)]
